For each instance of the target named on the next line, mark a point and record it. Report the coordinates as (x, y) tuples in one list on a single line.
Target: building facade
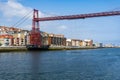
[(21, 38), (79, 43), (6, 40), (56, 40)]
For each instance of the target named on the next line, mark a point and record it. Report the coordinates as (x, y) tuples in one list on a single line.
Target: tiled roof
[(4, 28), (6, 36)]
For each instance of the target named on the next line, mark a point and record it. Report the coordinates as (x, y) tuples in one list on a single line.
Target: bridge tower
[(35, 36)]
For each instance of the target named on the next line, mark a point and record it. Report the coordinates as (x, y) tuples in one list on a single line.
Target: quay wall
[(13, 48), (72, 48), (23, 48)]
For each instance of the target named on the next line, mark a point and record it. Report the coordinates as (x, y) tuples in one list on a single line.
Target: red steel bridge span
[(35, 36)]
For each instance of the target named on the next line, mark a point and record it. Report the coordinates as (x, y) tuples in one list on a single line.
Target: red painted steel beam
[(79, 16)]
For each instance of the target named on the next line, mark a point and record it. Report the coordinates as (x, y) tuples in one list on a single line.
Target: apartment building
[(79, 43), (56, 40), (68, 42), (88, 42), (6, 40), (19, 36)]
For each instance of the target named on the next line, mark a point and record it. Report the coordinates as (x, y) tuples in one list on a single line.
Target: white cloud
[(12, 8), (13, 11)]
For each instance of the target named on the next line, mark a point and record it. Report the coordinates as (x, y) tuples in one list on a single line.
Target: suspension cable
[(22, 19)]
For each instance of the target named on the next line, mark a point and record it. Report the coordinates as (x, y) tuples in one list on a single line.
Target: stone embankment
[(23, 48), (13, 48)]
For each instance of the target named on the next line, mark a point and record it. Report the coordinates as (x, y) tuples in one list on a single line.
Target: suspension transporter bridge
[(35, 36)]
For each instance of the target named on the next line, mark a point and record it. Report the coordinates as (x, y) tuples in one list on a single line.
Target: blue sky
[(101, 29)]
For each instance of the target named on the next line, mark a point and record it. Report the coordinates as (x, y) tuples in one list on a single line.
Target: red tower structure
[(35, 36)]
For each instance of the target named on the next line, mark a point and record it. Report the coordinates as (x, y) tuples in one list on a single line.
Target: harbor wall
[(23, 48)]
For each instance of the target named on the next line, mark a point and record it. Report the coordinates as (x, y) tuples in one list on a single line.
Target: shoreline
[(13, 48), (23, 48)]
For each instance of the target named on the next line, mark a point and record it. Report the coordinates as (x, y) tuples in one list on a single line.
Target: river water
[(94, 64)]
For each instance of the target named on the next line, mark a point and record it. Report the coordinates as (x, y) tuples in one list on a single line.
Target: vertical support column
[(35, 36), (35, 22)]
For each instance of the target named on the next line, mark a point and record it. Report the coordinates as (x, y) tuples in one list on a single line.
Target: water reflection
[(35, 62)]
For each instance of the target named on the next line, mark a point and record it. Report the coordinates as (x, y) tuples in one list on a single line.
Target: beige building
[(68, 42), (44, 38), (75, 42), (79, 43), (21, 38), (88, 42)]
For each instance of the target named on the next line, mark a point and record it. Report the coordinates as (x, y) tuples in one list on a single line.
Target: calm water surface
[(97, 64)]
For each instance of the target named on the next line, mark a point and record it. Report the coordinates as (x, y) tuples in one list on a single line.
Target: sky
[(100, 29)]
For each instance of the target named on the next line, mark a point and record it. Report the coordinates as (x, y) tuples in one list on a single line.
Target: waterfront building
[(75, 42), (108, 45), (68, 42), (6, 40), (8, 30), (44, 38), (18, 35), (88, 42), (56, 40), (21, 38), (51, 39), (98, 44), (84, 43), (79, 43)]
